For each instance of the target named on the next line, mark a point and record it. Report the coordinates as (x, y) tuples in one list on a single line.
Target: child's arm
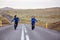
[(36, 20), (12, 20)]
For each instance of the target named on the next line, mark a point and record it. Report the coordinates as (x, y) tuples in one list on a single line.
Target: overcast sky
[(29, 4)]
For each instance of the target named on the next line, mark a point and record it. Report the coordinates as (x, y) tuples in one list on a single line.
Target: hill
[(47, 15), (55, 26)]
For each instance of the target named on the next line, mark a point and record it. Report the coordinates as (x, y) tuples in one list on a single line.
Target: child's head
[(15, 15), (33, 16)]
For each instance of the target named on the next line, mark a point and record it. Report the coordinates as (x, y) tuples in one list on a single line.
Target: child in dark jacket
[(16, 20), (33, 21)]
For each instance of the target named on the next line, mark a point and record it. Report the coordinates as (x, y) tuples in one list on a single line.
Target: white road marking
[(27, 37), (25, 30), (22, 36)]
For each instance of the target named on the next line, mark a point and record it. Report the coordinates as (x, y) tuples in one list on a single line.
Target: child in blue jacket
[(16, 20), (33, 21)]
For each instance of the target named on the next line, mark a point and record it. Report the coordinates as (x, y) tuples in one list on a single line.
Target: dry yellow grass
[(0, 23), (49, 15)]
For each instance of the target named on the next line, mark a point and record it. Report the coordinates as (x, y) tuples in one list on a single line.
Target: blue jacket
[(16, 19), (33, 20)]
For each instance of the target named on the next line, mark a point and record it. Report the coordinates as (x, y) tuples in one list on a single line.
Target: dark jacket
[(16, 19), (33, 20)]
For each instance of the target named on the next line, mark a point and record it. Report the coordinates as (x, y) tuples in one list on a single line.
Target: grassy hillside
[(44, 16), (55, 26)]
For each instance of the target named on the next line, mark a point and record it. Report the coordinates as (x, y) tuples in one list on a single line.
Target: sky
[(29, 4)]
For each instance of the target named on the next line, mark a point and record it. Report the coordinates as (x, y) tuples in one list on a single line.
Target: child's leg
[(33, 26)]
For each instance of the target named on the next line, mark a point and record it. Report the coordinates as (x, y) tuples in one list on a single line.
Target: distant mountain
[(6, 8), (9, 8), (49, 11), (54, 8)]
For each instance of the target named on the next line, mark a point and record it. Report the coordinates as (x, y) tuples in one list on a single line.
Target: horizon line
[(29, 8)]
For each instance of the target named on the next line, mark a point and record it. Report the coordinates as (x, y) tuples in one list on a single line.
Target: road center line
[(25, 30), (27, 37), (22, 36)]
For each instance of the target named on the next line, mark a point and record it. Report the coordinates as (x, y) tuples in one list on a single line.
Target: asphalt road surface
[(24, 32)]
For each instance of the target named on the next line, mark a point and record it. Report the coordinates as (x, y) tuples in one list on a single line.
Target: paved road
[(24, 32)]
